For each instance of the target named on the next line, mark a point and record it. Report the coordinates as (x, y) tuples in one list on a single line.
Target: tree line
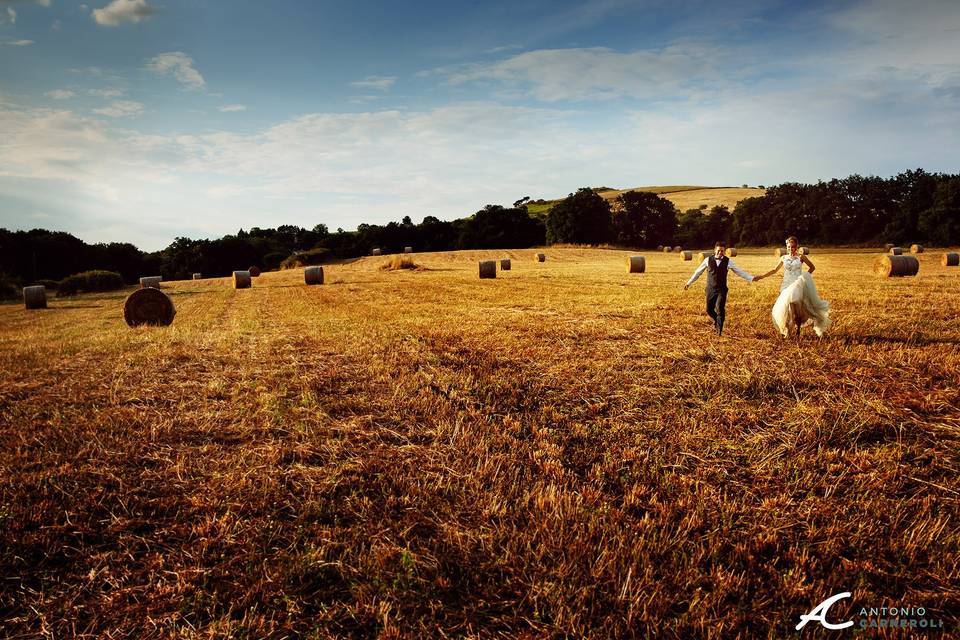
[(913, 206)]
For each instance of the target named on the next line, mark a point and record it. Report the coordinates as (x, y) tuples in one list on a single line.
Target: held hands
[(685, 287)]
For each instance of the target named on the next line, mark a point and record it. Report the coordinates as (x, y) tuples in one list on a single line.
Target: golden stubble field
[(565, 451)]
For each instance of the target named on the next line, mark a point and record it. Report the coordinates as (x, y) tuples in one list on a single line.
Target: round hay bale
[(636, 264), (35, 297), (916, 248), (780, 251), (488, 269), (408, 249), (254, 272), (686, 255), (150, 281), (148, 306), (197, 276), (703, 255), (950, 259), (659, 247), (313, 275), (376, 251), (887, 247), (505, 264), (803, 251), (897, 266), (677, 249), (896, 251), (732, 252), (539, 257), (667, 249), (241, 280)]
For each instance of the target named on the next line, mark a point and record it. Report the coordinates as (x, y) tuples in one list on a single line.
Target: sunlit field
[(564, 451)]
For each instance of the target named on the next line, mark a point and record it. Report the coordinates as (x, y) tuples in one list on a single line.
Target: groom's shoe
[(719, 327)]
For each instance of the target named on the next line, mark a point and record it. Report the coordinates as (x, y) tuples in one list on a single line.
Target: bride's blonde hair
[(794, 238)]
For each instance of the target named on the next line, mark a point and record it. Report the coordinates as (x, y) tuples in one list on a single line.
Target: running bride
[(799, 304)]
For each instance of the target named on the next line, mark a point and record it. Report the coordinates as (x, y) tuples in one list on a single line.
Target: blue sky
[(144, 120)]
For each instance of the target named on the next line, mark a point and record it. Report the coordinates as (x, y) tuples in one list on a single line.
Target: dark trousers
[(716, 306)]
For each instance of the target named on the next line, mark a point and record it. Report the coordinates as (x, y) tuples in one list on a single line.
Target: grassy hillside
[(565, 451), (684, 197)]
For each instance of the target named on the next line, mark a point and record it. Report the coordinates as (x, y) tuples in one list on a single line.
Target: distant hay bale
[(254, 272), (376, 251), (677, 249), (488, 269), (505, 264), (803, 251), (636, 264), (897, 266), (887, 247), (916, 248), (36, 297), (896, 251), (659, 247), (197, 276), (241, 280), (313, 275), (703, 255), (667, 249), (732, 252), (150, 281), (686, 255), (397, 262), (780, 251), (539, 257), (148, 306), (950, 259), (408, 249)]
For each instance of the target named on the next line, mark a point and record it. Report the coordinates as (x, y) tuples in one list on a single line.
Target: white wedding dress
[(799, 301)]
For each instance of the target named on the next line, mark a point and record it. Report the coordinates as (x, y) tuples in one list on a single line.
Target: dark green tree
[(582, 218)]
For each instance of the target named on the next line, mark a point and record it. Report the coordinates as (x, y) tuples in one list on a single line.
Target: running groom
[(716, 267)]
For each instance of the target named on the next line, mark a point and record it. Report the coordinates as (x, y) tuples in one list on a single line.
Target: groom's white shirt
[(706, 261)]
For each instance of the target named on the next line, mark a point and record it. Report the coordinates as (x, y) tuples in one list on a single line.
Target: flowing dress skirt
[(800, 303)]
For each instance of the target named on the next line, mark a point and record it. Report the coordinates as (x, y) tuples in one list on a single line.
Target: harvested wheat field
[(563, 451)]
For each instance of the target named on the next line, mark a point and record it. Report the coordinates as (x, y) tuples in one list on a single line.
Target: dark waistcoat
[(717, 273)]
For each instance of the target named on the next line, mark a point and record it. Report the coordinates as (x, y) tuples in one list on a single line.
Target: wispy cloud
[(11, 15), (121, 109), (110, 92), (60, 94), (228, 108), (381, 83), (121, 11), (17, 43), (180, 66)]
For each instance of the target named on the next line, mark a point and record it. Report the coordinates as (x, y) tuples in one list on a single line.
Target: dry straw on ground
[(488, 269), (897, 266), (150, 281), (35, 297), (950, 259), (398, 262), (148, 306), (576, 455), (313, 275), (242, 280), (505, 264), (636, 264)]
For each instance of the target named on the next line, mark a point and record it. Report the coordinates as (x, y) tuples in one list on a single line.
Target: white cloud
[(120, 11), (59, 94), (106, 93), (121, 109), (11, 15), (228, 108), (180, 66), (17, 43), (553, 75), (381, 83)]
